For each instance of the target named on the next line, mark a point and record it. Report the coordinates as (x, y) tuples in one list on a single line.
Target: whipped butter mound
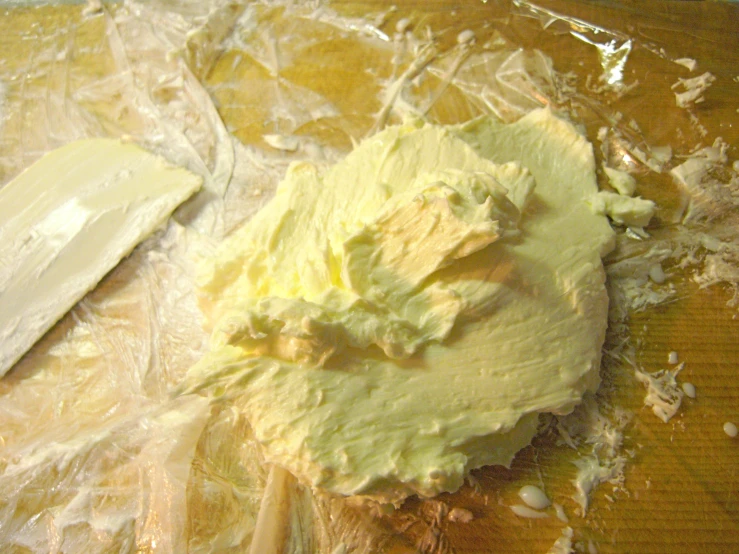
[(404, 317)]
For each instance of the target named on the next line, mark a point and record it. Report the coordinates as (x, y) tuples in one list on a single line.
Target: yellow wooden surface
[(682, 484)]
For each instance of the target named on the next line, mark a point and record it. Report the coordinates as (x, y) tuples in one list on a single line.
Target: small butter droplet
[(534, 497), (282, 142), (657, 274), (730, 429), (466, 36), (689, 389), (460, 515)]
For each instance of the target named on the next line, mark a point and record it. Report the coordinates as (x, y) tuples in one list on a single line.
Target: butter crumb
[(694, 89), (688, 63), (663, 394), (460, 515), (624, 183), (282, 142), (634, 212), (563, 545), (657, 274)]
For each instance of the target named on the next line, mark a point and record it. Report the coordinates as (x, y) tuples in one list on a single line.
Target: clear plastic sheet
[(97, 453)]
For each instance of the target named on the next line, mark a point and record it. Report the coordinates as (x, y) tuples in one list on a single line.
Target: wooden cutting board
[(681, 492)]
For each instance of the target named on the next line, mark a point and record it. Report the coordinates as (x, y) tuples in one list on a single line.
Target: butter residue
[(524, 511), (563, 545), (591, 472), (664, 395), (693, 89), (625, 210), (404, 317), (67, 220)]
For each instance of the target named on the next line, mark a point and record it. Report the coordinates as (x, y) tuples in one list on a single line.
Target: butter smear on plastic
[(405, 316), (67, 220)]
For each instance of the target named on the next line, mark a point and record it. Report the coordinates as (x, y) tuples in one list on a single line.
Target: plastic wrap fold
[(97, 453)]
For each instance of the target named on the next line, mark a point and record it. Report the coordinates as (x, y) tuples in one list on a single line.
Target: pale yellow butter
[(621, 181), (634, 212), (404, 317)]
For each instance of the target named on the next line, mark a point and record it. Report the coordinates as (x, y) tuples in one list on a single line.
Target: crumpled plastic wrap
[(97, 452)]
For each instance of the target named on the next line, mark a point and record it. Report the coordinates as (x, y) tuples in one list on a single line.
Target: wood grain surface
[(681, 493)]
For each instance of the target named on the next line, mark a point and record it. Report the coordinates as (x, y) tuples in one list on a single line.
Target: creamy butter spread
[(404, 317)]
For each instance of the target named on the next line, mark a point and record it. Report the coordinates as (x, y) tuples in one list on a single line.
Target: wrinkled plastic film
[(97, 454)]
